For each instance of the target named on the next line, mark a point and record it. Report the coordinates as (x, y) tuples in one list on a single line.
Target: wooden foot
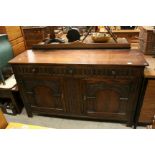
[(29, 114)]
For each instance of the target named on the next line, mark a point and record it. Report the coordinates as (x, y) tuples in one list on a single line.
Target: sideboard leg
[(135, 126), (29, 114)]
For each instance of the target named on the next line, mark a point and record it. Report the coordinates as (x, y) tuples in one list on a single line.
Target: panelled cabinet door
[(46, 94), (106, 98)]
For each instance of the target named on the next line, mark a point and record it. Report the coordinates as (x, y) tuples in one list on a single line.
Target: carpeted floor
[(61, 123)]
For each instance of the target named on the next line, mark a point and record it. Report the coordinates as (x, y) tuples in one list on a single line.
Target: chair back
[(6, 54)]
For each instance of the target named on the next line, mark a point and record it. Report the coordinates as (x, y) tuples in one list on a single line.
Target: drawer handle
[(70, 71), (57, 95), (88, 97), (84, 98), (113, 72), (33, 70), (29, 92), (91, 97), (124, 98)]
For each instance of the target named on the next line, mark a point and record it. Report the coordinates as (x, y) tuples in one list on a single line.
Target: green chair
[(6, 54)]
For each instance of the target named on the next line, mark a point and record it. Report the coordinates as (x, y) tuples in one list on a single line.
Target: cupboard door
[(106, 99), (45, 94)]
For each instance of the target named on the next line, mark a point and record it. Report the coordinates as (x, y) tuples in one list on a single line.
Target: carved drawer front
[(106, 72), (76, 70), (45, 94), (106, 99), (39, 69)]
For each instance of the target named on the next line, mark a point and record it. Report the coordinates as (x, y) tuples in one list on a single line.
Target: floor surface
[(62, 123)]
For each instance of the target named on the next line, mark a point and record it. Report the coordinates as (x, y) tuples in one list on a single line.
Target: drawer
[(17, 41), (77, 71), (13, 32), (18, 48)]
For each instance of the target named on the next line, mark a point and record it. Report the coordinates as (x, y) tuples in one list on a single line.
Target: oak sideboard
[(95, 84)]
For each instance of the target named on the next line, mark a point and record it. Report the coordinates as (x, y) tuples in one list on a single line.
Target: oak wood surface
[(126, 31), (88, 43), (17, 41), (149, 71), (13, 32), (130, 35), (148, 28), (148, 107), (96, 57), (16, 38), (19, 48)]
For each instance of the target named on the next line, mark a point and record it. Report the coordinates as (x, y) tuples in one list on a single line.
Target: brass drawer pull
[(70, 71), (89, 97), (33, 70), (124, 98), (84, 98), (113, 72), (29, 92)]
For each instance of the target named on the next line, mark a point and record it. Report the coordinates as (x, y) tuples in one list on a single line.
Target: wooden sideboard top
[(95, 57), (150, 70)]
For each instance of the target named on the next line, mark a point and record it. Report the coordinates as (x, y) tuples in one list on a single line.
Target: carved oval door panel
[(45, 97), (46, 94), (106, 99)]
